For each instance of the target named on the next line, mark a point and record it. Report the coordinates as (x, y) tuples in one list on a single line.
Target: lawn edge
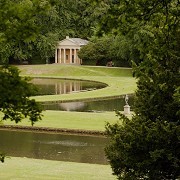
[(53, 130)]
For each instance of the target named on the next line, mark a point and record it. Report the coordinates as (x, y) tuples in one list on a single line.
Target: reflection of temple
[(67, 51), (72, 106), (67, 87)]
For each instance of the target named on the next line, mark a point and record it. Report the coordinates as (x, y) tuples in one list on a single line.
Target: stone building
[(67, 51)]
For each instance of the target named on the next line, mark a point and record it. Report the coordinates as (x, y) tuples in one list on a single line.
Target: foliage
[(107, 48), (117, 48), (76, 18), (123, 52), (15, 102), (2, 157), (97, 51), (15, 92), (30, 29), (147, 147), (23, 24), (144, 149)]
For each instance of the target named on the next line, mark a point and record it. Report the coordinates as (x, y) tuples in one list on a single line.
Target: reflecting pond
[(49, 86), (90, 106), (74, 148)]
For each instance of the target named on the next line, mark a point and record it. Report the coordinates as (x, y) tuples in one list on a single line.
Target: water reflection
[(63, 86), (90, 106), (73, 148), (71, 106)]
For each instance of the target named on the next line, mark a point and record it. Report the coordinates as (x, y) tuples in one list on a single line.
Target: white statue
[(126, 99)]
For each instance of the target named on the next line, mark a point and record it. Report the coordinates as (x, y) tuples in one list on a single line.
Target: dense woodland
[(30, 30)]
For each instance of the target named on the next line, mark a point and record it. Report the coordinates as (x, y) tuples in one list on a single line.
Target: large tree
[(15, 101), (77, 18), (26, 26), (147, 146), (101, 50), (97, 51)]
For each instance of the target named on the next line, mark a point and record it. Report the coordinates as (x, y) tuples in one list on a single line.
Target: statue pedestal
[(127, 109)]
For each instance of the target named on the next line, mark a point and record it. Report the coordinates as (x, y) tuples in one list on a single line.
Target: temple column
[(75, 54), (78, 60), (56, 56), (60, 56), (64, 56), (70, 56)]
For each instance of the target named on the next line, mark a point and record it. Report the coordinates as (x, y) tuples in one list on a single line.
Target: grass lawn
[(72, 120), (119, 80), (35, 169)]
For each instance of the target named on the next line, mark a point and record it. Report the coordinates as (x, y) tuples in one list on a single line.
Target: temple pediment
[(67, 42), (67, 51)]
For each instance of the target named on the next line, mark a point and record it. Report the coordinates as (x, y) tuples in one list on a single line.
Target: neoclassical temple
[(67, 51)]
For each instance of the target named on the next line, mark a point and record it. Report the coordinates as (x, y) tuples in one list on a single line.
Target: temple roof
[(79, 41)]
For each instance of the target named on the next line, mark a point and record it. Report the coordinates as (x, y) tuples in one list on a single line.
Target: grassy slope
[(120, 81), (25, 168)]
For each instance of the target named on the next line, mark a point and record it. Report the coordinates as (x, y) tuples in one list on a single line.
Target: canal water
[(74, 148), (49, 86), (64, 86), (89, 106)]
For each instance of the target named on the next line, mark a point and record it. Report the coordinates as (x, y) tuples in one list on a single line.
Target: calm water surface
[(84, 149), (63, 86), (89, 106)]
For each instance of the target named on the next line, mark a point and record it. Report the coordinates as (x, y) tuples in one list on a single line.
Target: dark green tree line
[(26, 26), (101, 50), (30, 29), (147, 146)]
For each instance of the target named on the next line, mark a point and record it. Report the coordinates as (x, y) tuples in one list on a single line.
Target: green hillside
[(119, 80)]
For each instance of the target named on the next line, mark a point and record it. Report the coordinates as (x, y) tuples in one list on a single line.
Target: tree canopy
[(97, 51), (147, 146), (15, 93), (24, 25), (15, 102)]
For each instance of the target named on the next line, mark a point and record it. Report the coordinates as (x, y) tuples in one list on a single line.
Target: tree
[(109, 47), (15, 93), (97, 51), (15, 102), (23, 24), (122, 51), (147, 146)]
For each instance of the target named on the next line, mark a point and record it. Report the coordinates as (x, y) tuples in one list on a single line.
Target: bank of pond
[(55, 146), (47, 86)]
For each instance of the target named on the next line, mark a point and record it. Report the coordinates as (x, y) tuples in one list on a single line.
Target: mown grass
[(73, 70), (119, 80), (71, 120), (35, 169)]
